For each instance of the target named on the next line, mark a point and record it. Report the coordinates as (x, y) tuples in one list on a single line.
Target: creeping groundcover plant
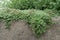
[(36, 19)]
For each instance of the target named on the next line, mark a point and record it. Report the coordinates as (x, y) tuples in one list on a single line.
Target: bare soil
[(54, 32), (20, 31)]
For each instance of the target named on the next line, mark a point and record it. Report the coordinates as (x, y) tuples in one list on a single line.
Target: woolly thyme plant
[(38, 20)]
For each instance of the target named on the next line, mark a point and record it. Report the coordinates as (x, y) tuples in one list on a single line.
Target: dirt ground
[(20, 31), (54, 32)]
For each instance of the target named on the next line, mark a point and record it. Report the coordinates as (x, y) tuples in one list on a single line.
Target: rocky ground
[(20, 31)]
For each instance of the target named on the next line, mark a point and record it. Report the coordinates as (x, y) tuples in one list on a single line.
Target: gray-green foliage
[(30, 4), (35, 4), (3, 3), (38, 20), (53, 12)]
